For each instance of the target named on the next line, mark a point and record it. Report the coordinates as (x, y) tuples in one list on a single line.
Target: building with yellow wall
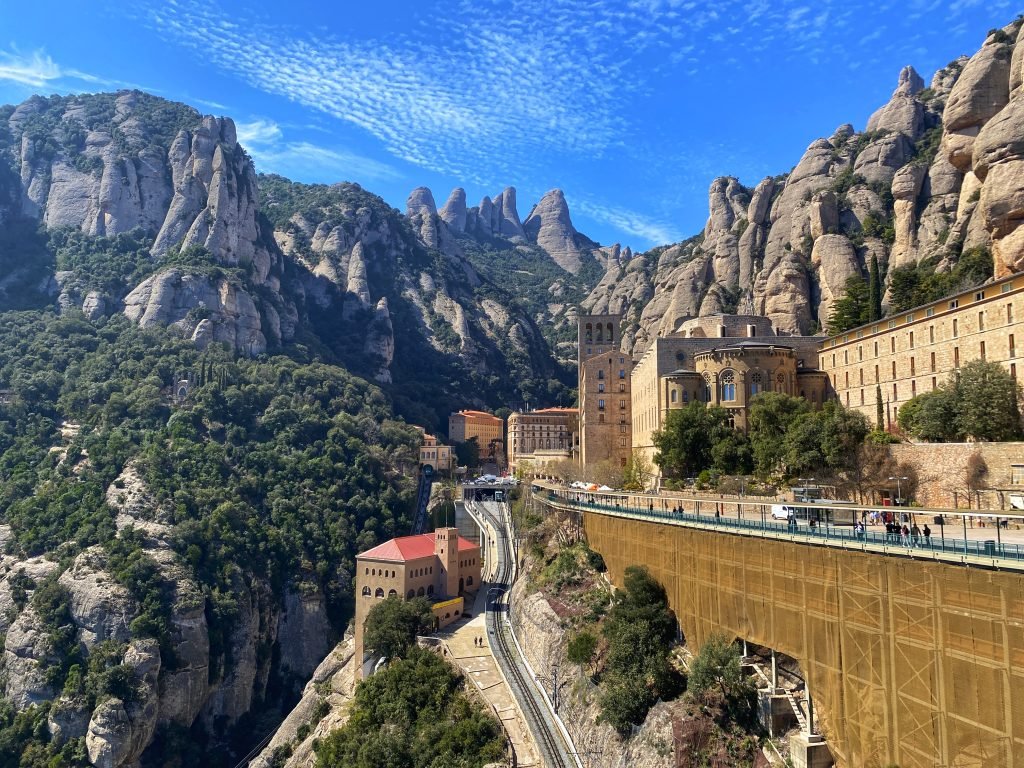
[(485, 427), (913, 352), (440, 566), (435, 454), (542, 437)]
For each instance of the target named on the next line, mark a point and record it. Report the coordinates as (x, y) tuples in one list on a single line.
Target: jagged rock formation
[(550, 227), (938, 171)]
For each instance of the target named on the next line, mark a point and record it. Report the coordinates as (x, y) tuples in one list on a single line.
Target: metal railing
[(757, 521)]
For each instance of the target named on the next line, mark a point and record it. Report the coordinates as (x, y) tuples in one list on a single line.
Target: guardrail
[(846, 537)]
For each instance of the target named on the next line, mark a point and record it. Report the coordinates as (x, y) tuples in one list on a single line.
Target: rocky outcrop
[(982, 89), (496, 218), (454, 211), (937, 172), (998, 163), (903, 113), (420, 200), (380, 341), (179, 298), (333, 685), (833, 260), (550, 227)]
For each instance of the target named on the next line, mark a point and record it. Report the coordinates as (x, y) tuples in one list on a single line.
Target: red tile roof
[(410, 548)]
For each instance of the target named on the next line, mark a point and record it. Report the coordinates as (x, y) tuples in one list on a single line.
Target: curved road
[(546, 733)]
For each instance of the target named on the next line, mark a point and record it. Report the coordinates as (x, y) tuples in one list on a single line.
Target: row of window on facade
[(932, 368), (931, 338), (727, 386), (930, 312), (421, 592)]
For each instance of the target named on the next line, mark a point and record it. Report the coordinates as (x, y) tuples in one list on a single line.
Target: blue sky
[(630, 106)]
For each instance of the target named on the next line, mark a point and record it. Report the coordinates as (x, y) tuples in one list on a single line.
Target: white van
[(782, 512)]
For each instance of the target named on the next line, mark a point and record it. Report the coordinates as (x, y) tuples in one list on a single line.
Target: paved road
[(546, 733)]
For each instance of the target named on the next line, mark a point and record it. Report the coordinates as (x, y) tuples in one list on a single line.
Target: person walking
[(905, 531), (927, 535), (915, 535)]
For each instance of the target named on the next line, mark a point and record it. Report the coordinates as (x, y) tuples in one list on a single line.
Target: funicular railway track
[(549, 741)]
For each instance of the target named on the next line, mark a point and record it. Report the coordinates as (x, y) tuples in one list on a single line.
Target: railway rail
[(552, 746)]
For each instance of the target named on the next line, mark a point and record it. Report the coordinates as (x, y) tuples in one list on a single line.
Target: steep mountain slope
[(126, 203), (936, 174)]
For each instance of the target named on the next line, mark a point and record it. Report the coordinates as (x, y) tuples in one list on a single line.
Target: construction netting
[(911, 663)]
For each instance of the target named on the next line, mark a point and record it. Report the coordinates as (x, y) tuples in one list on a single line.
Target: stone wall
[(943, 478)]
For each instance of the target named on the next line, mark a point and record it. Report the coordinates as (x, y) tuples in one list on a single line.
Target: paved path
[(479, 665)]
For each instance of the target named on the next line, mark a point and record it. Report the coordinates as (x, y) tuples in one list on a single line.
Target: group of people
[(908, 535)]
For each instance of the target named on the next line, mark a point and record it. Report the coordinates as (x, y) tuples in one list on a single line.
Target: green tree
[(467, 453), (637, 473), (640, 631), (684, 444), (851, 309), (988, 402), (392, 625), (581, 648), (931, 416), (413, 714), (979, 402), (879, 410), (874, 291), (771, 414), (716, 670)]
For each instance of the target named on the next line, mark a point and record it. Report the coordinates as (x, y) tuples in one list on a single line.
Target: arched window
[(411, 594), (590, 333), (379, 592), (366, 591), (373, 572), (611, 334), (674, 395), (756, 383), (600, 333), (430, 589), (780, 381), (419, 592), (469, 581), (707, 387), (728, 380), (392, 593)]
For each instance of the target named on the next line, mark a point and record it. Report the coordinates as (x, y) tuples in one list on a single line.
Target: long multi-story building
[(485, 427), (542, 437), (604, 392), (913, 352), (723, 360)]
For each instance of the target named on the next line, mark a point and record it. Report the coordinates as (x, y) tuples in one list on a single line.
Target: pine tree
[(879, 411), (874, 291)]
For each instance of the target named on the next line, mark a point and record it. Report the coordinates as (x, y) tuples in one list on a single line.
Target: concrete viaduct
[(915, 658)]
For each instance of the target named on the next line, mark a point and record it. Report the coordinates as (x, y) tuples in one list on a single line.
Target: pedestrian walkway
[(478, 664)]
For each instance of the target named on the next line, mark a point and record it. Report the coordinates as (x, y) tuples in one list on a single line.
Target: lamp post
[(899, 488)]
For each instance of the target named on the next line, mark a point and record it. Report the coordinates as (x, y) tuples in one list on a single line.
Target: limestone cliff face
[(129, 163), (938, 170), (286, 636)]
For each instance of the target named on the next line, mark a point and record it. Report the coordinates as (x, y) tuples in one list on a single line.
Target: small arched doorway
[(462, 585)]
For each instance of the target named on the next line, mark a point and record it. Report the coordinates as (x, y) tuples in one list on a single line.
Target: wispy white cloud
[(265, 141), (323, 164), (631, 222), (37, 69), (258, 132)]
